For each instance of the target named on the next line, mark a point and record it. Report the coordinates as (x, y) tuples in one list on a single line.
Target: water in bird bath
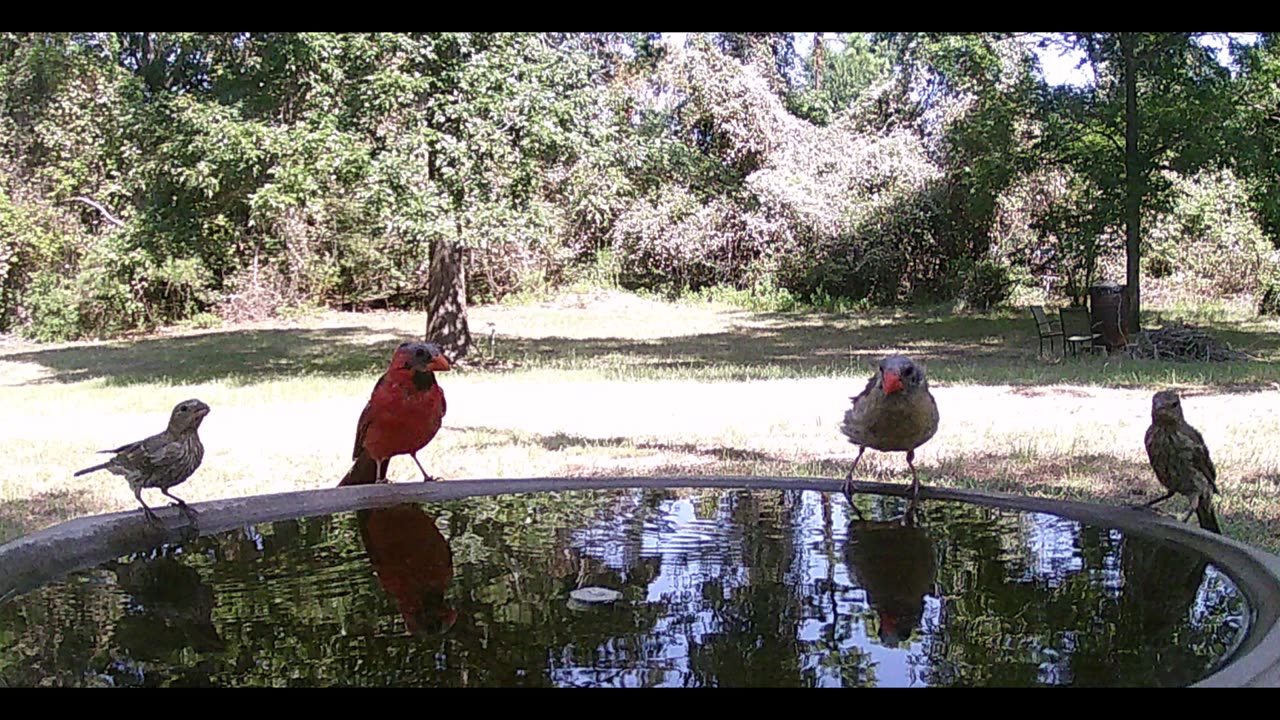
[(710, 587)]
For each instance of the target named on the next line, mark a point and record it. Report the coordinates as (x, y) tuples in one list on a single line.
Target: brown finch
[(163, 460)]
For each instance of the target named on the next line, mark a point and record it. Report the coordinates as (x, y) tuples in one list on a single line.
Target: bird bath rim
[(33, 560)]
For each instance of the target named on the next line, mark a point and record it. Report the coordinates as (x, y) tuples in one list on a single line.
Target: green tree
[(480, 121), (1159, 102), (1255, 129), (838, 76)]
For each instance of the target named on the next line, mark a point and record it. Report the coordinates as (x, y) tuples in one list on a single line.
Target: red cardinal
[(403, 414), (414, 564)]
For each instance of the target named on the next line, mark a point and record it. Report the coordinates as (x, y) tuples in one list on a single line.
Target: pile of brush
[(1182, 342)]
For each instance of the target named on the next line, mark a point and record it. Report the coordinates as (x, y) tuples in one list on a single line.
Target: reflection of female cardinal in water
[(414, 564), (893, 562)]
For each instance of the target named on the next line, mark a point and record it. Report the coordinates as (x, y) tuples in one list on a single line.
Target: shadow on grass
[(997, 348), (560, 441), (19, 517), (239, 357)]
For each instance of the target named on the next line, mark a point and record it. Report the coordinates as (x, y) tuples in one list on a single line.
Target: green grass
[(600, 382)]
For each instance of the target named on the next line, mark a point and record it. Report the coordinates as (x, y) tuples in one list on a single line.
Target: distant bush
[(984, 284), (1210, 235)]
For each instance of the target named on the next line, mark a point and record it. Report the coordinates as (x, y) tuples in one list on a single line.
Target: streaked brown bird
[(895, 413), (895, 564), (1180, 459), (162, 460)]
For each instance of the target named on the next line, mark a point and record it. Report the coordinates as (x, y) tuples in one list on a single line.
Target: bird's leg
[(1160, 499), (915, 476), (425, 476), (137, 492), (1195, 505), (908, 518), (190, 513), (383, 466), (848, 479)]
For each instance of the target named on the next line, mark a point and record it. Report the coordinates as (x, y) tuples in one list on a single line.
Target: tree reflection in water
[(719, 587)]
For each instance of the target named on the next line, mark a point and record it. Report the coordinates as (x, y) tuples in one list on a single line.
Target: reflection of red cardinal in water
[(414, 564), (403, 414)]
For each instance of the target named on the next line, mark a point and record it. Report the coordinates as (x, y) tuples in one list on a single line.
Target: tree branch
[(110, 218)]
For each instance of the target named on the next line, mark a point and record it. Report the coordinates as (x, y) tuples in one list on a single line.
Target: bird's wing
[(1198, 452), (139, 455), (1158, 456), (366, 417), (165, 451), (1175, 453), (871, 384)]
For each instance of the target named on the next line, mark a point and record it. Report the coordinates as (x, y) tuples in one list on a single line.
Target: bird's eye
[(420, 352), (908, 372)]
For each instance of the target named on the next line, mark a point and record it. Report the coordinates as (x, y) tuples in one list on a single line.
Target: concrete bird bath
[(44, 557)]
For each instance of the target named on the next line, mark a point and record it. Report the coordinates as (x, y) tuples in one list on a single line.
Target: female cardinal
[(404, 412), (163, 460), (894, 413), (1181, 459)]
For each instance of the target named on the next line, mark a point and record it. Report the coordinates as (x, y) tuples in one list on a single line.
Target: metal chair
[(1046, 329), (1077, 330)]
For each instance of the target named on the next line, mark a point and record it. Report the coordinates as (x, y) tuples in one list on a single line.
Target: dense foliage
[(150, 178)]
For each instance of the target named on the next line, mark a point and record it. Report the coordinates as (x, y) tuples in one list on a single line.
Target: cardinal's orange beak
[(892, 383), (439, 363)]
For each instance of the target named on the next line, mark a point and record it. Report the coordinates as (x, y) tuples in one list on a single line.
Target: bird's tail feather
[(1204, 513), (88, 470), (364, 471)]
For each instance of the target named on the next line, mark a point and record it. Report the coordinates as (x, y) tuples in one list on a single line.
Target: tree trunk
[(818, 55), (447, 299), (1133, 184)]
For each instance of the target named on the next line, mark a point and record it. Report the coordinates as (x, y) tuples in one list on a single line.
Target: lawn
[(610, 383)]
